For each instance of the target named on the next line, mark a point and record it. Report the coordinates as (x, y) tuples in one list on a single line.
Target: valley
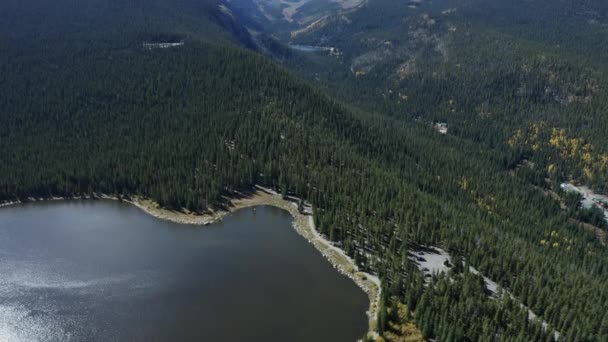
[(465, 125)]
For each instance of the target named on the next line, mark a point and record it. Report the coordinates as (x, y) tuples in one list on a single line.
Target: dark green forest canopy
[(88, 109)]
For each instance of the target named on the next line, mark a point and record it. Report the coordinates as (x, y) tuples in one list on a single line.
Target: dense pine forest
[(85, 108)]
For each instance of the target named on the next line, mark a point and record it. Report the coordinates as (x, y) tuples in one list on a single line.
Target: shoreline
[(303, 223)]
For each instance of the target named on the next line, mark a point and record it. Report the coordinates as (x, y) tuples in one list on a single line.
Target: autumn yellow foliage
[(403, 330), (539, 137)]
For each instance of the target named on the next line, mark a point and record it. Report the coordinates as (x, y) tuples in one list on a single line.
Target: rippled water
[(105, 271)]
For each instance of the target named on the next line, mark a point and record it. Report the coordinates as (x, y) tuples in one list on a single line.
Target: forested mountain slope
[(490, 69), (87, 108), (96, 24)]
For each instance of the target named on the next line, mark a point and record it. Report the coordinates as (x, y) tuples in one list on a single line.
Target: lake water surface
[(106, 271)]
